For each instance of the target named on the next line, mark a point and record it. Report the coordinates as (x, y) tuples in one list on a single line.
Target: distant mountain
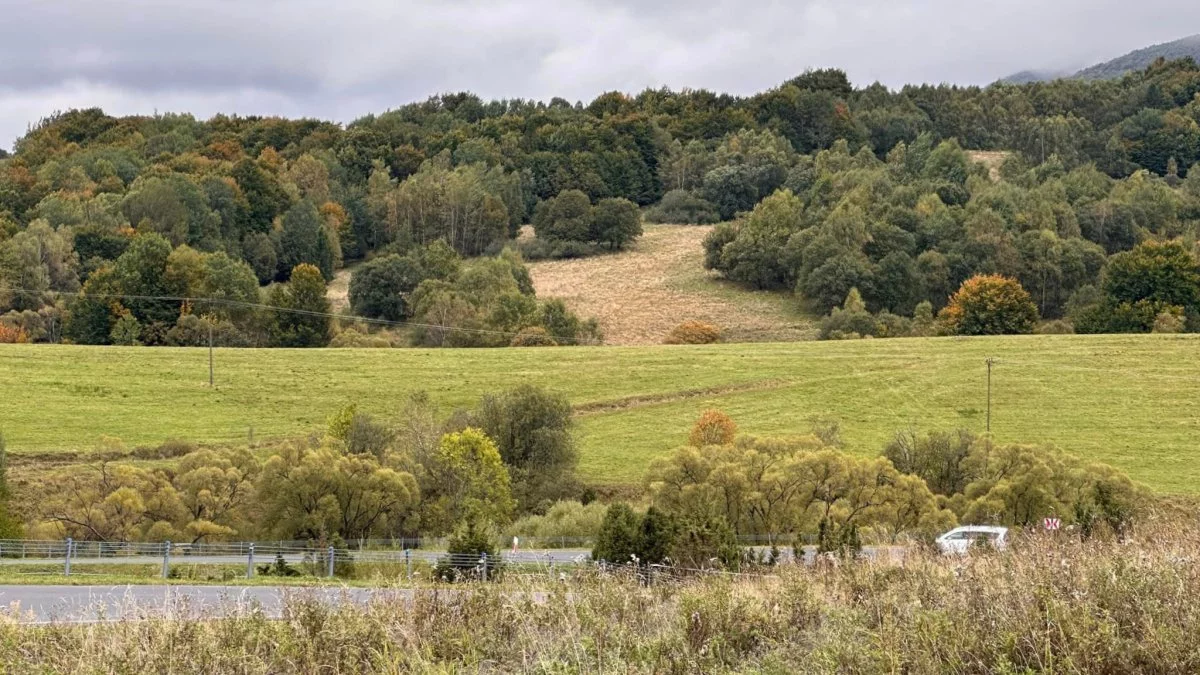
[(1142, 58), (1027, 76), (1135, 60)]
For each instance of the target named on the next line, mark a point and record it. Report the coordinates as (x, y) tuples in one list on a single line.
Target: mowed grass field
[(1131, 401)]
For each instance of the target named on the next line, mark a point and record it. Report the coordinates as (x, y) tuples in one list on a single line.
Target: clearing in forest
[(639, 295)]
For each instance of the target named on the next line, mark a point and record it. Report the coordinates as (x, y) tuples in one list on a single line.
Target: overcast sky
[(339, 59)]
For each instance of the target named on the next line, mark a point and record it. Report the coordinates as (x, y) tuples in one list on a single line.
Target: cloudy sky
[(339, 59)]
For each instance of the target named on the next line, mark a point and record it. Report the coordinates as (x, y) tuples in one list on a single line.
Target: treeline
[(908, 230), (273, 193)]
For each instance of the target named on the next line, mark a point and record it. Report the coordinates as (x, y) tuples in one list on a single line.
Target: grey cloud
[(341, 60)]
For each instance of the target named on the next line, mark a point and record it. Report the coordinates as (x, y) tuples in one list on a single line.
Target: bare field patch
[(992, 159), (639, 295)]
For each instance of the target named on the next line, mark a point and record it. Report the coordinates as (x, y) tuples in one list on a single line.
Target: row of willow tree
[(509, 465), (722, 490), (271, 194), (414, 473)]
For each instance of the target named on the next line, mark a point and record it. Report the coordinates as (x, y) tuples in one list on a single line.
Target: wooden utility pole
[(989, 363), (210, 356)]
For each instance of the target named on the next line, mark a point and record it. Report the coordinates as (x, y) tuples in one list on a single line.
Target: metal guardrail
[(70, 552)]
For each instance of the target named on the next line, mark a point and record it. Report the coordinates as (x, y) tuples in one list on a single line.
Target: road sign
[(1052, 523)]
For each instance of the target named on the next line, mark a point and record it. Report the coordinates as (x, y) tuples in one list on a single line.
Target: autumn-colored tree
[(466, 482), (13, 335), (713, 428), (990, 304)]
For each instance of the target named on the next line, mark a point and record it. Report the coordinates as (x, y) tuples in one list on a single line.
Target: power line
[(302, 312)]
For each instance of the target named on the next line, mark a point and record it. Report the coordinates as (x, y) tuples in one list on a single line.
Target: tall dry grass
[(1046, 605)]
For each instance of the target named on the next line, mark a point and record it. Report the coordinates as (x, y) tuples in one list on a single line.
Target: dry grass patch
[(992, 159), (640, 295)]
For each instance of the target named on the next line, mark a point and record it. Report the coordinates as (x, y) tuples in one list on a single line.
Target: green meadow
[(1131, 401)]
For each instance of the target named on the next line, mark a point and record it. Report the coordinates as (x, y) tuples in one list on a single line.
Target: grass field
[(1132, 401)]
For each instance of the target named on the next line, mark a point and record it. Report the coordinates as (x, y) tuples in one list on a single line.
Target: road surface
[(84, 604)]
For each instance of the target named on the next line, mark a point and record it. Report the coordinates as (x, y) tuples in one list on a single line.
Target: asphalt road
[(85, 604)]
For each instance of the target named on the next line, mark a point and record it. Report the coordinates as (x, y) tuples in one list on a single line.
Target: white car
[(961, 539)]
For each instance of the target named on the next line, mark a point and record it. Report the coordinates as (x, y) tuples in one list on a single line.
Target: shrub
[(465, 554), (126, 331), (354, 338), (683, 207), (1056, 327), (565, 522), (693, 333), (13, 335), (365, 436), (546, 249), (1124, 317), (702, 543), (850, 321), (617, 541), (169, 449), (990, 305), (533, 336), (193, 331), (713, 428), (1168, 322)]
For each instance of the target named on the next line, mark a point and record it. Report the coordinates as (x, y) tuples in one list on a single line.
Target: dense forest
[(154, 230)]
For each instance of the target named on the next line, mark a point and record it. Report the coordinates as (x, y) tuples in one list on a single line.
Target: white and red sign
[(1052, 523)]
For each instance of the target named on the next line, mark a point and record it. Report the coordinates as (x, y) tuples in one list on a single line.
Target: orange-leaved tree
[(989, 304), (713, 428)]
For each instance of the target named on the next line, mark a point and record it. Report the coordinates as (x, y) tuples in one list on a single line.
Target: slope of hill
[(1027, 76), (641, 294), (1188, 47), (1131, 401), (1139, 59)]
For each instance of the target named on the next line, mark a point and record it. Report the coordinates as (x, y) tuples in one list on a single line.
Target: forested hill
[(94, 208), (1188, 47)]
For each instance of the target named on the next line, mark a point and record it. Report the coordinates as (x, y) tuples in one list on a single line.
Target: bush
[(465, 553), (169, 449), (1168, 322), (565, 522), (533, 336), (684, 208), (354, 338), (193, 331), (713, 428), (617, 541), (546, 249), (13, 335), (693, 333), (1056, 327), (990, 305)]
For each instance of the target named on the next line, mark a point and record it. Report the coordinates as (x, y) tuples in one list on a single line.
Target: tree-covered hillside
[(1140, 59), (105, 222)]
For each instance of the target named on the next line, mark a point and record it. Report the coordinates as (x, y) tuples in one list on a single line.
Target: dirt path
[(641, 294)]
